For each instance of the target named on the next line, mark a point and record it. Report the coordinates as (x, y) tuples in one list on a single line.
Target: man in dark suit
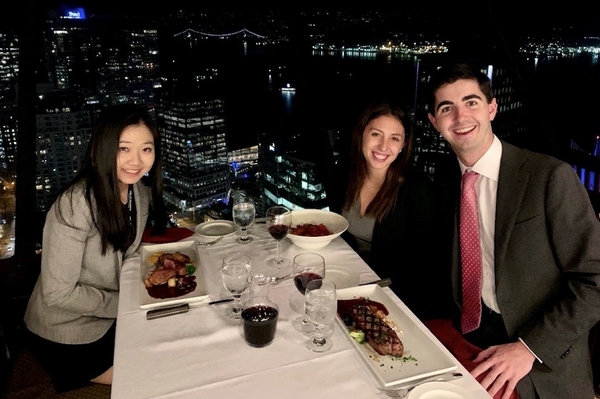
[(539, 249)]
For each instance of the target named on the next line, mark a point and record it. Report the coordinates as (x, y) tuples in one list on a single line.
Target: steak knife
[(384, 282), (180, 308)]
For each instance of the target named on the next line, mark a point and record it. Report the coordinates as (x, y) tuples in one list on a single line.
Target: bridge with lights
[(242, 33)]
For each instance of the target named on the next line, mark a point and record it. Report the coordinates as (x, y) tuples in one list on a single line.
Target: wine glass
[(243, 212), (236, 271), (320, 304), (306, 267), (279, 222)]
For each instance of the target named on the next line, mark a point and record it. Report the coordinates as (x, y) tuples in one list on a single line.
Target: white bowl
[(334, 222)]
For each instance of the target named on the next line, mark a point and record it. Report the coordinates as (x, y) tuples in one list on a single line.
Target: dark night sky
[(478, 17)]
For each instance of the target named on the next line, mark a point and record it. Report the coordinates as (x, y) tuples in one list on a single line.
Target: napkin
[(171, 234), (462, 349)]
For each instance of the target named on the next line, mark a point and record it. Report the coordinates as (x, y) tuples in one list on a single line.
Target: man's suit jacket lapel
[(512, 182)]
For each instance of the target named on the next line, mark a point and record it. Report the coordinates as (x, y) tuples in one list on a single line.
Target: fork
[(277, 280), (209, 243), (404, 391)]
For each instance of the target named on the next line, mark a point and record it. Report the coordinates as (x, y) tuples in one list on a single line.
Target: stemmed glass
[(279, 222), (235, 271), (320, 304), (243, 212), (307, 267)]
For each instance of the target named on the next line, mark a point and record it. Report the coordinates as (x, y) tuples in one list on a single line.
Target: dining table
[(202, 354)]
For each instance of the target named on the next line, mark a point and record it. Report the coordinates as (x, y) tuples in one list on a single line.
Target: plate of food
[(404, 354), (341, 276), (216, 228), (440, 390), (170, 274)]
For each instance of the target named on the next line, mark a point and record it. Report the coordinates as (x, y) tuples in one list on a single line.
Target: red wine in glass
[(301, 280), (278, 231), (279, 221)]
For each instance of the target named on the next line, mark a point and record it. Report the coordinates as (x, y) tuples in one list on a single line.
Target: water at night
[(331, 89)]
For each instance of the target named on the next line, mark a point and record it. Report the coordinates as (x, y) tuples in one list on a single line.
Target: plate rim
[(442, 386), (228, 222), (344, 269)]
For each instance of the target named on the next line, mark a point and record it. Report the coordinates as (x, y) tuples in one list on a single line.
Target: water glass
[(244, 212), (235, 271), (320, 304)]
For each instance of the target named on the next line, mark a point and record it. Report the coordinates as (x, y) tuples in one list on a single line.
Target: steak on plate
[(369, 319)]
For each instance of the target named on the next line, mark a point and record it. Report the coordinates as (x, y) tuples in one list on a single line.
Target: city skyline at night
[(335, 60)]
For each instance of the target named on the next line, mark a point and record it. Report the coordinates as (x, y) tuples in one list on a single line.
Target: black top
[(407, 245)]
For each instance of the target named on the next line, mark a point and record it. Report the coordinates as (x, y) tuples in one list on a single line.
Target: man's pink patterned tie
[(470, 254)]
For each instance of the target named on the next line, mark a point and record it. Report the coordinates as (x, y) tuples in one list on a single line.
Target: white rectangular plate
[(388, 370), (146, 268)]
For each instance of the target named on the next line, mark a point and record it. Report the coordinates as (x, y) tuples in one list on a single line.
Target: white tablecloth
[(202, 354)]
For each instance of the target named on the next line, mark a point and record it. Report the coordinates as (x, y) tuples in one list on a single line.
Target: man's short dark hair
[(452, 72)]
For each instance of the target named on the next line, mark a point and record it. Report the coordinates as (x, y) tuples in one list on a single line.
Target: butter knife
[(180, 308)]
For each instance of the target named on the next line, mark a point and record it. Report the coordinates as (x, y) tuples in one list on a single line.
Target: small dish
[(440, 390), (215, 228), (342, 277)]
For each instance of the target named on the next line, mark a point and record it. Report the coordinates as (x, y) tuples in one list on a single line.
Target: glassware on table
[(279, 222), (243, 212), (320, 304), (236, 270), (259, 313), (306, 267)]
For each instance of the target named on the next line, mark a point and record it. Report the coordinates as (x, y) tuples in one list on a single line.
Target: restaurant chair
[(21, 375)]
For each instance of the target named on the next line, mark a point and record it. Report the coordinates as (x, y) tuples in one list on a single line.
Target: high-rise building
[(63, 131), (293, 171), (69, 50), (194, 149), (110, 58), (9, 72)]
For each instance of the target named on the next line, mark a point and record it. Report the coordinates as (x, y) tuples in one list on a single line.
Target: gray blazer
[(76, 296), (547, 265)]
